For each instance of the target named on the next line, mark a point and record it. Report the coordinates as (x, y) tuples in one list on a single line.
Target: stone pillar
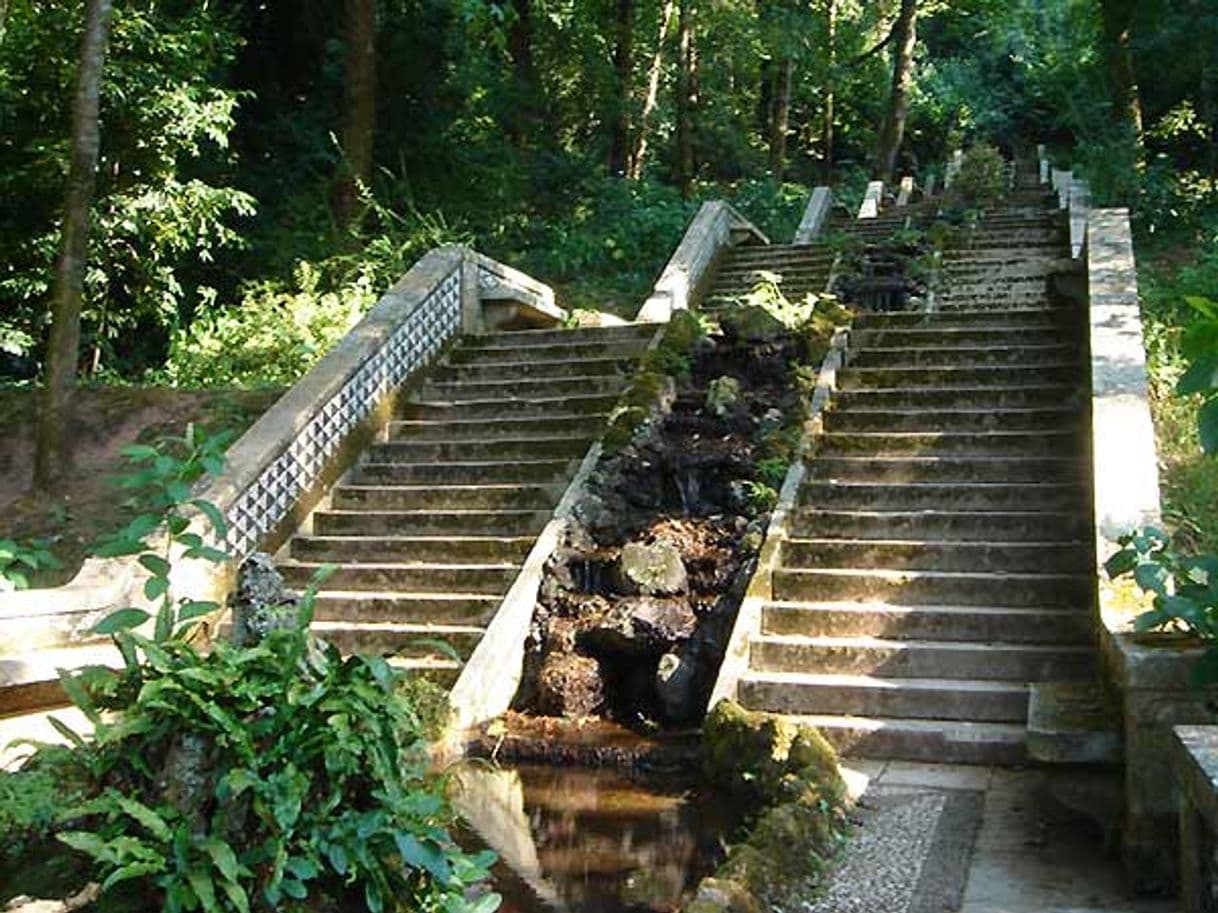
[(871, 202)]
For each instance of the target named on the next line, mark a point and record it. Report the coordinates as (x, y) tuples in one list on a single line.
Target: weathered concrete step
[(982, 496), (491, 579), (948, 469), (837, 655), (930, 622), (361, 522), (1010, 418), (968, 525), (442, 672), (860, 695), (523, 370), (934, 587), (989, 294), (470, 355), (935, 741), (1050, 556), (998, 397), (963, 356), (553, 406), (980, 318), (512, 339), (778, 253), (780, 272), (515, 448), (952, 443), (404, 639), (458, 392), (941, 337), (442, 497), (350, 606), (483, 429), (472, 473), (956, 375), (381, 549)]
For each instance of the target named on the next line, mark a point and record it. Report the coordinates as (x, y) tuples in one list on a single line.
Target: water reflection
[(591, 841)]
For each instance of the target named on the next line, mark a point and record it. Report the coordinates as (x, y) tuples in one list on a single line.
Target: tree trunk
[(651, 101), (687, 96), (526, 109), (63, 350), (359, 120), (781, 123), (1117, 16), (827, 138), (892, 133), (623, 68)]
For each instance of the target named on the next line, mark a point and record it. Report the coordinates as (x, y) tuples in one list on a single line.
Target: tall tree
[(63, 348), (623, 69), (892, 132), (780, 122), (827, 132), (687, 94), (1117, 16), (651, 100), (359, 116)]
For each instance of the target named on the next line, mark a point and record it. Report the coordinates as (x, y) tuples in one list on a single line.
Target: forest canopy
[(266, 167)]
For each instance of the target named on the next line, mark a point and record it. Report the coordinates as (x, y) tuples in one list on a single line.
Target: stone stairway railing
[(284, 463)]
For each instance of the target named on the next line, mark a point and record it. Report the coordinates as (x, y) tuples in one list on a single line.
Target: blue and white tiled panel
[(261, 507)]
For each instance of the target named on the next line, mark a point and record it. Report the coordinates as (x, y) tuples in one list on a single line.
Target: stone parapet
[(816, 215), (715, 227)]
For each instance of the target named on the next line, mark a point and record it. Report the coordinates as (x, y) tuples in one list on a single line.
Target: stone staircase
[(431, 527), (939, 558), (798, 268)]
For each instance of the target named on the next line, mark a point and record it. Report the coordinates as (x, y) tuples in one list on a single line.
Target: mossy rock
[(789, 844), (764, 758), (722, 895)]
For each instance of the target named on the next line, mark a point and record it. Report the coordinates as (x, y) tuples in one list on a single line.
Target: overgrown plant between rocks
[(637, 603)]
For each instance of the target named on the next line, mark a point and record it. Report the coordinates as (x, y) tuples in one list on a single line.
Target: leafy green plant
[(1185, 591), (772, 472), (1199, 345), (983, 175), (759, 496), (252, 777), (18, 560)]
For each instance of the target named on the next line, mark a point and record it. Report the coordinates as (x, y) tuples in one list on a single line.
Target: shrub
[(983, 175)]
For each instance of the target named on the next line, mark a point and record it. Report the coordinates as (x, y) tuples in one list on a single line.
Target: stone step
[(1025, 356), (933, 741), (511, 339), (404, 549), (837, 655), (781, 273), (351, 606), (410, 640), (952, 443), (459, 392), (934, 587), (980, 318), (1053, 555), (966, 525), (472, 473), (997, 397), (554, 406), (428, 522), (441, 672), (948, 469), (774, 253), (980, 496), (446, 497), (946, 337), (1030, 418), (501, 371), (550, 447), (860, 695), (930, 622), (484, 429), (493, 579), (957, 375), (469, 354)]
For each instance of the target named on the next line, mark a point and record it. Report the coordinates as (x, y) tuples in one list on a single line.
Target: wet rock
[(723, 396), (751, 323), (570, 685), (722, 895), (641, 626), (677, 687), (651, 570), (770, 422)]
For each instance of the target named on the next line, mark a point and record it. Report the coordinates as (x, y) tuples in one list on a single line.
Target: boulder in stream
[(651, 570)]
